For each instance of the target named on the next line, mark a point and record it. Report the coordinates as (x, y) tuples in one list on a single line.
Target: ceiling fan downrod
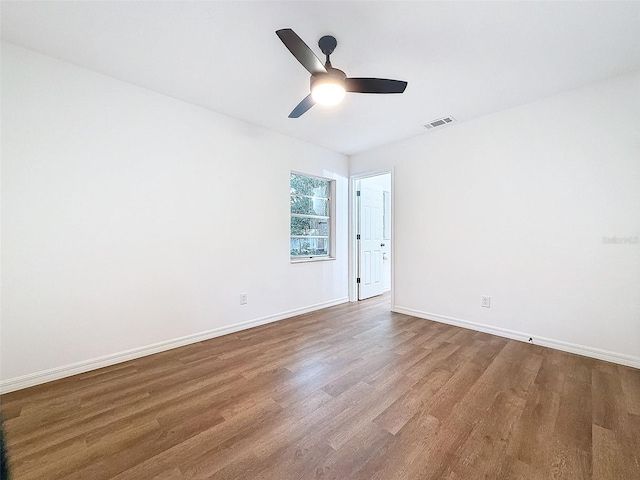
[(327, 45)]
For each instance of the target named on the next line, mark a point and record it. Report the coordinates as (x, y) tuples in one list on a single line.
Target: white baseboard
[(57, 373), (608, 356)]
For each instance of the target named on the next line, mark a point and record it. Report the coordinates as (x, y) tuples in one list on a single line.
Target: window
[(311, 215)]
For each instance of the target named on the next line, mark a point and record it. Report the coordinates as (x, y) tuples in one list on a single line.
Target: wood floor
[(352, 391)]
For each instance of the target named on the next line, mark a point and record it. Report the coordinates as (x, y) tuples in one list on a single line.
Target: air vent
[(439, 122)]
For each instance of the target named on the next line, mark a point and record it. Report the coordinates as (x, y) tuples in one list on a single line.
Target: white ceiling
[(464, 59)]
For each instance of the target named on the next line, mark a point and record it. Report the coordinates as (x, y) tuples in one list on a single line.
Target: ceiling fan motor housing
[(333, 75)]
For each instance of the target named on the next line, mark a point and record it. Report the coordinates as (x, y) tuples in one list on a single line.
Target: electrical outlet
[(486, 302), (531, 340), (243, 299)]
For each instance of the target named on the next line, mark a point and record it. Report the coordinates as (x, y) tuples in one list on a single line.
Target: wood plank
[(630, 378), (529, 442), (396, 415), (483, 453)]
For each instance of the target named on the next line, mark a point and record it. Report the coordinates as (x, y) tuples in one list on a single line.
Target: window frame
[(331, 238)]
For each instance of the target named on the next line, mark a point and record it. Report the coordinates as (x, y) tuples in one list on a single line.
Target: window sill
[(312, 259)]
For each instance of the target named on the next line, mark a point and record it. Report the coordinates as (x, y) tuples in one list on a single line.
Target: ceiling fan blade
[(374, 85), (302, 107), (301, 51)]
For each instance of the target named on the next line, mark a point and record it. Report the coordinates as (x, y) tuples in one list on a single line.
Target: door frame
[(353, 228)]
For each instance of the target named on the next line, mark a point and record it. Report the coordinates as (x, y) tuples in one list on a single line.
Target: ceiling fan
[(328, 84)]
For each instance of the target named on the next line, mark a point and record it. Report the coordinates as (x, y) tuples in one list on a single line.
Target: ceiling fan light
[(327, 93)]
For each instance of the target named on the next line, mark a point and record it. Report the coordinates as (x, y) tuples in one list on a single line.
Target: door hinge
[(358, 236), (358, 193), (357, 280)]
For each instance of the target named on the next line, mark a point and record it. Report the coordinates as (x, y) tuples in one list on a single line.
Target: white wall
[(515, 206), (132, 221)]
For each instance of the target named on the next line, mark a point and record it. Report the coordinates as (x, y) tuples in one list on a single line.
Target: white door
[(371, 241)]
